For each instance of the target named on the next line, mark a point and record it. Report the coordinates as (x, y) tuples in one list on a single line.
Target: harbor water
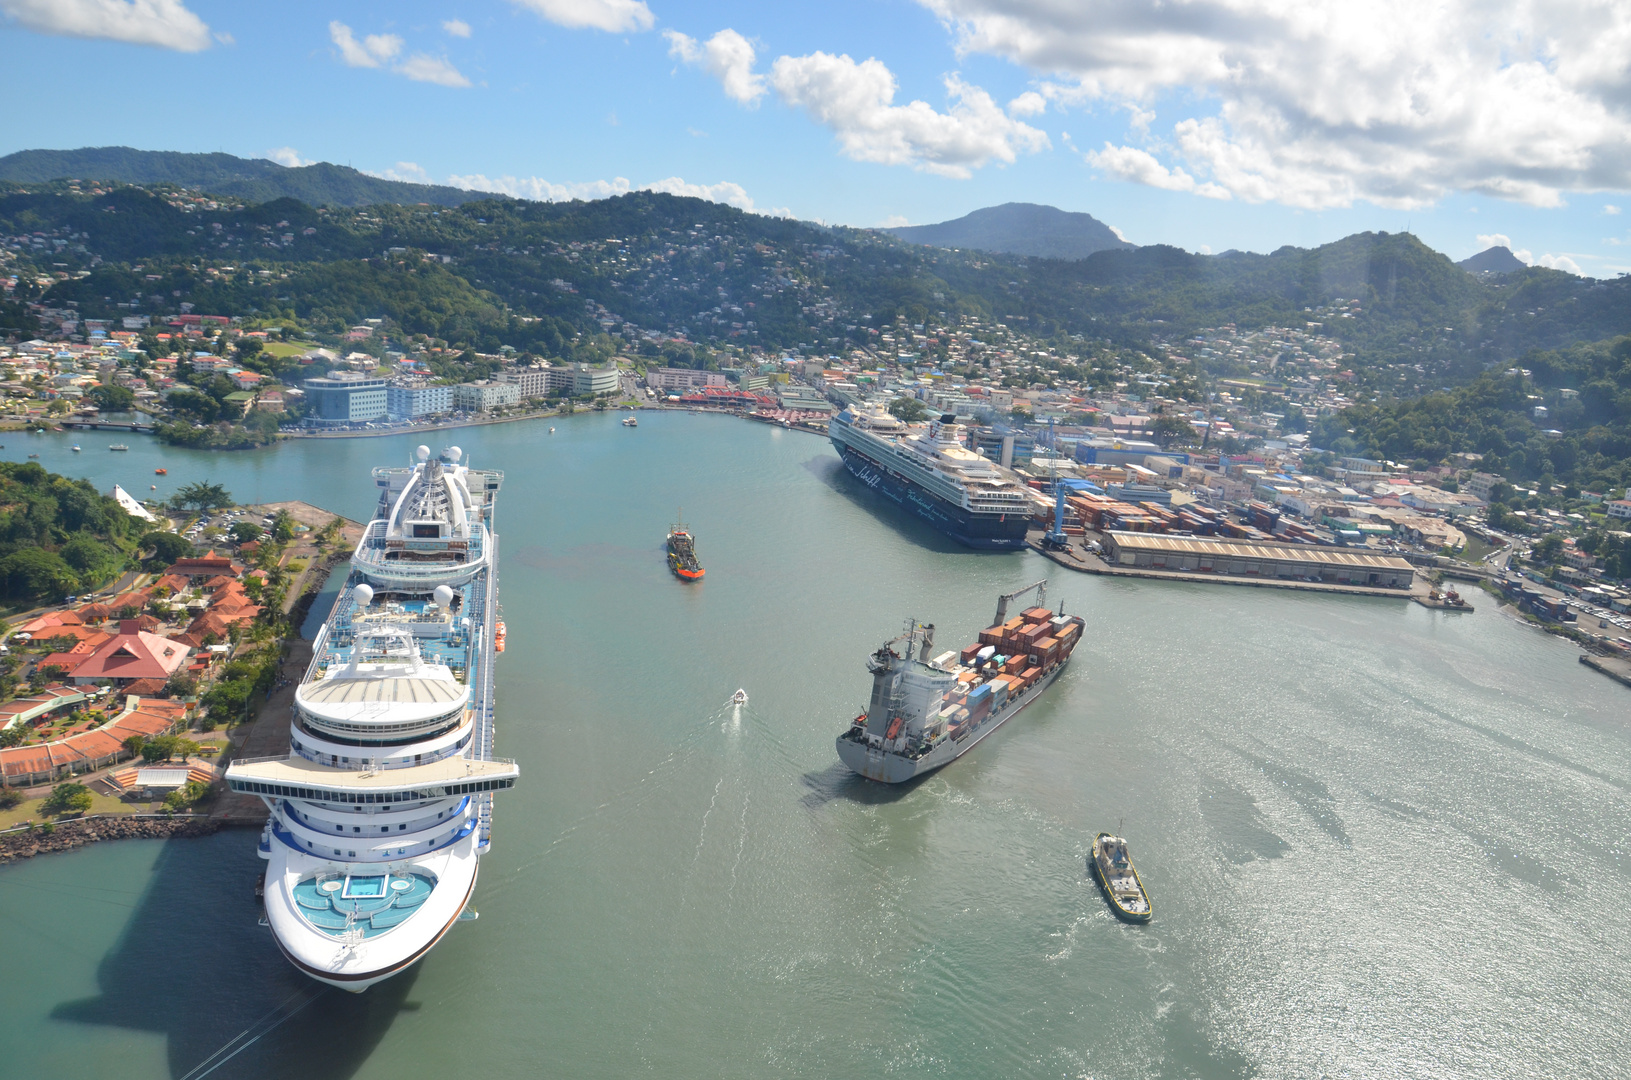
[(1381, 841)]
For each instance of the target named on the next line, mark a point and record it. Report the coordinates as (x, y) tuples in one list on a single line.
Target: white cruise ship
[(384, 807), (929, 472)]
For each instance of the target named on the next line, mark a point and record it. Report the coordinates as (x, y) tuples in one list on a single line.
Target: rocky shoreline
[(67, 835)]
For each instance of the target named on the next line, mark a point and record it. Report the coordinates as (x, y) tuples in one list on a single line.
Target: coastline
[(23, 842)]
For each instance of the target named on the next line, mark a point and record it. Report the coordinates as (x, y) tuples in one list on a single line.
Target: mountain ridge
[(1017, 228), (256, 180)]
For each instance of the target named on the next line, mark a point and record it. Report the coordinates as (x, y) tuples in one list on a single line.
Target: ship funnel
[(927, 643), (363, 595)]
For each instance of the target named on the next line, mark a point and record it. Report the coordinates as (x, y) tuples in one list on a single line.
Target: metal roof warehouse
[(1248, 558)]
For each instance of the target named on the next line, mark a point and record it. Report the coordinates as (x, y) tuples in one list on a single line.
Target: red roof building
[(204, 567), (133, 654)]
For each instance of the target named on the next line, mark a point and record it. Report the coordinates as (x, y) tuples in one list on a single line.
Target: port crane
[(1041, 588)]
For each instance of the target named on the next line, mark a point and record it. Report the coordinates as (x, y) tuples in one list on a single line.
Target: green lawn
[(290, 348)]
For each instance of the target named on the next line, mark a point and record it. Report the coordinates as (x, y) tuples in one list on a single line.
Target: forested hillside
[(250, 179), (533, 275), (1582, 439), (57, 535)]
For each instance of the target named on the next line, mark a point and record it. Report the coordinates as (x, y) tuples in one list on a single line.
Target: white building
[(594, 380), (485, 396), (411, 401), (537, 382), (667, 378)]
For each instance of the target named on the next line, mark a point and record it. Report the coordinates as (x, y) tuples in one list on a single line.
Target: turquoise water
[(1381, 841)]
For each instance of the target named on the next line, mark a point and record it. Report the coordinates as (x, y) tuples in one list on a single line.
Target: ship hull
[(985, 532), (891, 768)]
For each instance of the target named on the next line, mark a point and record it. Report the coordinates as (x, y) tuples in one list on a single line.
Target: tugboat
[(682, 553), (1113, 869)]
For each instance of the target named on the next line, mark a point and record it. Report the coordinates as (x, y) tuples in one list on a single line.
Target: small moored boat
[(630, 421), (1113, 869), (119, 446), (161, 472), (76, 448)]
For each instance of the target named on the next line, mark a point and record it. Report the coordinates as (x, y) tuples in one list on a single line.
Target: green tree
[(67, 797), (908, 409), (203, 495), (162, 748), (181, 685), (133, 745), (166, 547), (245, 531), (1170, 429), (283, 525)]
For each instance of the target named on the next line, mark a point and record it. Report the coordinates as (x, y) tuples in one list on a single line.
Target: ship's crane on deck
[(1041, 588)]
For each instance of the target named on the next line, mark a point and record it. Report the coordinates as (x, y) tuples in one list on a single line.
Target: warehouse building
[(1251, 558)]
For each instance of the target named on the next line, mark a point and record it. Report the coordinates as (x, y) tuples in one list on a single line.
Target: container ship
[(928, 471), (381, 812), (682, 553), (925, 713)]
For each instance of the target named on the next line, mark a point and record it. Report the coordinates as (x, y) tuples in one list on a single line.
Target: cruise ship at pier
[(382, 810), (931, 473)]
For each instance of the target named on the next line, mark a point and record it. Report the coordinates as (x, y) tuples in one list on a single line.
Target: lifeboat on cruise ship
[(498, 639)]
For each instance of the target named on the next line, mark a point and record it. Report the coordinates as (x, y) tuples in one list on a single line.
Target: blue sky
[(1211, 124)]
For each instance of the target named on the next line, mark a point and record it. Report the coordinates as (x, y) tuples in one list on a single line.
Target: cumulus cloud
[(541, 190), (289, 157), (381, 50), (370, 52), (421, 67), (612, 16), (856, 100), (1559, 262), (1325, 102), (1610, 209), (457, 28), (727, 56), (1141, 167), (165, 23), (1030, 103), (1489, 240)]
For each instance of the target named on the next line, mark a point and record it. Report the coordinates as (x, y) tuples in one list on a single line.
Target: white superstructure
[(383, 807)]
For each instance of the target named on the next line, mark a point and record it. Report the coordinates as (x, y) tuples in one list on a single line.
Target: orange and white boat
[(682, 553)]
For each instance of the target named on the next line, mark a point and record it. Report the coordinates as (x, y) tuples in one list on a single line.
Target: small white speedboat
[(740, 697)]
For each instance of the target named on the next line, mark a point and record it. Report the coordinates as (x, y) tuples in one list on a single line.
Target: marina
[(673, 888)]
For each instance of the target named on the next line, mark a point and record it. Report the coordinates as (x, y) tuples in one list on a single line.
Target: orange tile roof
[(134, 654)]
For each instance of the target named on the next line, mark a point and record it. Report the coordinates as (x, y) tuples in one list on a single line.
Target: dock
[(1076, 558), (1614, 667)]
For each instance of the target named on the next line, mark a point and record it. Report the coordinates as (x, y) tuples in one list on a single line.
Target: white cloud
[(1123, 237), (165, 23), (288, 156), (727, 56), (1610, 209), (612, 16), (457, 28), (1489, 240), (380, 50), (432, 69), (405, 171), (1030, 103), (855, 101), (1325, 102), (370, 52), (541, 190), (895, 221), (1141, 167), (1560, 262)]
